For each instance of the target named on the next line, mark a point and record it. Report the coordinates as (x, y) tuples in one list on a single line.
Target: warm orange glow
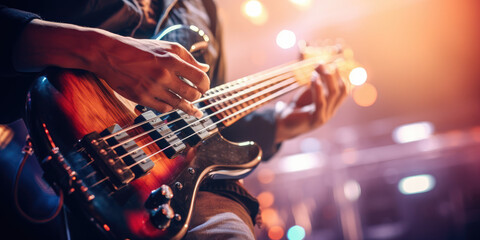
[(6, 135), (269, 216), (265, 176), (365, 95), (106, 227), (275, 233), (265, 199)]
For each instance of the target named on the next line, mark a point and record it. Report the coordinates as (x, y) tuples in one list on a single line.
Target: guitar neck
[(234, 100)]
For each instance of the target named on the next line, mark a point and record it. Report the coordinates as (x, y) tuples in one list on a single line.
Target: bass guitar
[(134, 172)]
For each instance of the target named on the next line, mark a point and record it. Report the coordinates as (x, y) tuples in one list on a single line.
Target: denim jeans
[(217, 217)]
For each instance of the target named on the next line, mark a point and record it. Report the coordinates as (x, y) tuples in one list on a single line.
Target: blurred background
[(401, 158)]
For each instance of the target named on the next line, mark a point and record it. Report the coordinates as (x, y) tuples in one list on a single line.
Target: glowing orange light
[(275, 233), (358, 76), (269, 216), (265, 176), (365, 95), (265, 199), (106, 227)]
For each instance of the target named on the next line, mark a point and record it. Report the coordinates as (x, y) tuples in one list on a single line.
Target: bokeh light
[(276, 233), (286, 39), (296, 233), (365, 95), (270, 216), (413, 132), (416, 184), (253, 8), (255, 12), (265, 199), (352, 190), (358, 76)]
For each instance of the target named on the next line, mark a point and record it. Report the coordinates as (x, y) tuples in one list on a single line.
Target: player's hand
[(150, 72), (312, 107)]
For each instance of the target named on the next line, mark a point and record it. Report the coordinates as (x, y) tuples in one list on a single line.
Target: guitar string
[(198, 120), (268, 98), (252, 97), (251, 80), (290, 88), (257, 104), (265, 83), (232, 97), (239, 103)]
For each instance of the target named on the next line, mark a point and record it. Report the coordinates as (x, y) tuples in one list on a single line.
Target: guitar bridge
[(107, 161)]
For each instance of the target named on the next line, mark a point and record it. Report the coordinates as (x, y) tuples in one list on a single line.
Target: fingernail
[(198, 114), (205, 66)]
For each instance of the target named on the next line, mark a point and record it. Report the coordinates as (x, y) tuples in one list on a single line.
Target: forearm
[(144, 71), (42, 44)]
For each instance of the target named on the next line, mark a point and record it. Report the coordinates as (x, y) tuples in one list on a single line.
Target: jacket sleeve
[(12, 22), (13, 85)]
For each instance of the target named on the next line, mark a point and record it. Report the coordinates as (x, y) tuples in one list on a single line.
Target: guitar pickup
[(196, 130), (161, 133), (107, 160), (136, 157)]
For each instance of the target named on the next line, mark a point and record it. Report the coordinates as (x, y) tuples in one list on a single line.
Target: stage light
[(365, 95), (296, 233), (270, 217), (253, 8), (413, 132), (352, 190), (275, 233), (301, 162), (358, 76), (416, 184), (286, 39)]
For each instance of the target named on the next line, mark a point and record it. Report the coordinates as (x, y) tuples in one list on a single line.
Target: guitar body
[(66, 105)]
